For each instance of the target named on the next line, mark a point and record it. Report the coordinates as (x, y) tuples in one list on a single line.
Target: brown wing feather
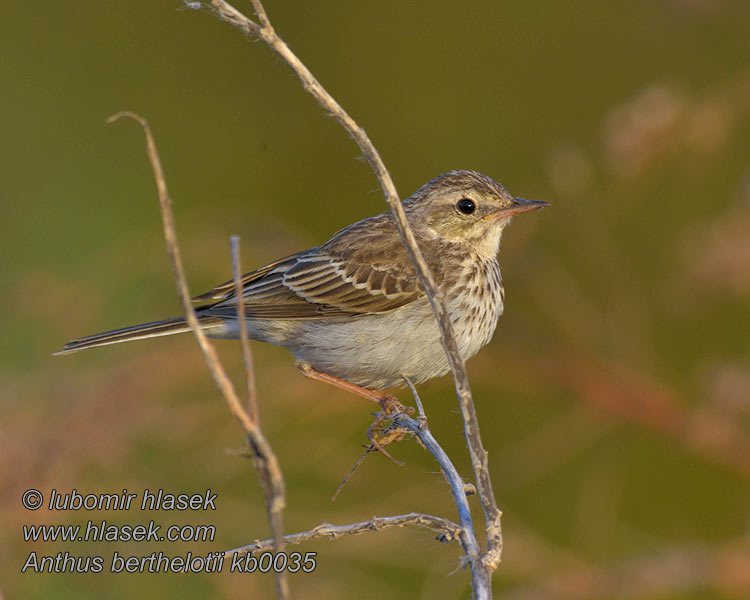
[(362, 269), (226, 290)]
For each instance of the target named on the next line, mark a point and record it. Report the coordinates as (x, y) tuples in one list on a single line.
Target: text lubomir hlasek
[(156, 500)]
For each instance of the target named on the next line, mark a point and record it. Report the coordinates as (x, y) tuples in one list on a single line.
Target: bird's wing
[(363, 269)]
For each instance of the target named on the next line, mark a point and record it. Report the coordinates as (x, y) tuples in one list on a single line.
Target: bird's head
[(465, 207)]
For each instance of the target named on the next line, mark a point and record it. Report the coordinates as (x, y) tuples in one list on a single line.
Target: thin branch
[(448, 530), (468, 537), (255, 436), (420, 407), (479, 462), (262, 466), (247, 353), (262, 16)]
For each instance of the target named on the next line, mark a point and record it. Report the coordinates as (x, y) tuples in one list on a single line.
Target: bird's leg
[(389, 404)]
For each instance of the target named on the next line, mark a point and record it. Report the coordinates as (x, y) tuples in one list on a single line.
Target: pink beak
[(520, 205)]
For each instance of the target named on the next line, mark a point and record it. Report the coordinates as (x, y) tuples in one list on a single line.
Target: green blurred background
[(615, 397)]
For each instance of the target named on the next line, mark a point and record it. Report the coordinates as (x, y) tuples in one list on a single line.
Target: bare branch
[(274, 503), (467, 536), (270, 471), (448, 530), (262, 16), (479, 462), (247, 353)]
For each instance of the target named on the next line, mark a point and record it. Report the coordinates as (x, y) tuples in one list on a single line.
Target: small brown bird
[(352, 311)]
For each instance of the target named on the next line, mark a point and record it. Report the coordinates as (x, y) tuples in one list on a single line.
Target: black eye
[(466, 206)]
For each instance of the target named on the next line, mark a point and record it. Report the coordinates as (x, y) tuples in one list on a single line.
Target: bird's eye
[(466, 206)]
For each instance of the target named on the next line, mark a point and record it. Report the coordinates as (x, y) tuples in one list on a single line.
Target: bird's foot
[(380, 435)]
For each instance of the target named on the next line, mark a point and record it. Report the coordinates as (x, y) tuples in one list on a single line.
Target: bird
[(352, 311)]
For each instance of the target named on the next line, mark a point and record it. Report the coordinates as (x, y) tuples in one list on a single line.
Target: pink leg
[(389, 404)]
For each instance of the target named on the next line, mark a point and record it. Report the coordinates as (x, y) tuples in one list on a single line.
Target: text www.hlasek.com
[(106, 532)]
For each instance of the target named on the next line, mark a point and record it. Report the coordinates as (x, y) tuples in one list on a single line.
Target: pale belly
[(378, 350)]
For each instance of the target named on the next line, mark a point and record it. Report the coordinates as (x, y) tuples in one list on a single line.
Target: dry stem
[(269, 469), (266, 33), (448, 530), (247, 353)]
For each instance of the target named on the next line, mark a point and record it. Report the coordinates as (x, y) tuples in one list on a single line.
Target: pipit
[(352, 311)]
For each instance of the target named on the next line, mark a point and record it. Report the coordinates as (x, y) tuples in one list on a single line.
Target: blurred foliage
[(615, 397)]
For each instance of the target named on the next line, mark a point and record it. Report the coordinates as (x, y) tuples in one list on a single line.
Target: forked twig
[(448, 531), (421, 430), (269, 469), (264, 31)]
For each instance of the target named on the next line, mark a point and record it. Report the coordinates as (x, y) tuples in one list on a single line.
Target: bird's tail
[(138, 332)]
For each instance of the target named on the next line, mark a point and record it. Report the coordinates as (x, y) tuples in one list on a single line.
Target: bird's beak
[(518, 206)]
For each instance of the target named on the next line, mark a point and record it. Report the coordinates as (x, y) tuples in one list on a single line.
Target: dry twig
[(481, 572), (448, 531), (269, 468), (247, 354)]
